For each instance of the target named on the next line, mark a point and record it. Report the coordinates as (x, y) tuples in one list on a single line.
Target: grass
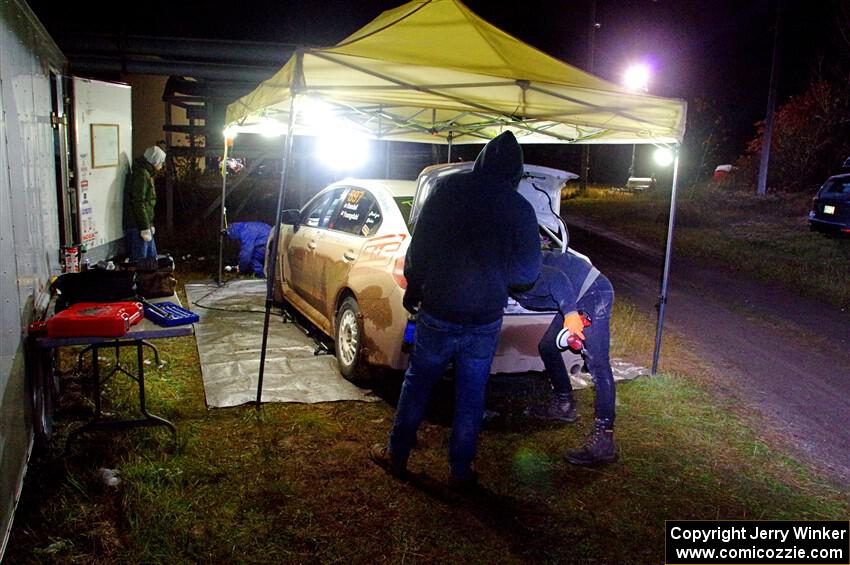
[(291, 483), (765, 238)]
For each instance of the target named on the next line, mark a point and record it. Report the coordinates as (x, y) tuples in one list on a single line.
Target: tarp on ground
[(228, 338), (432, 71)]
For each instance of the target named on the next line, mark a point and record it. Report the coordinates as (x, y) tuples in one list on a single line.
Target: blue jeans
[(436, 343), (137, 247), (597, 302)]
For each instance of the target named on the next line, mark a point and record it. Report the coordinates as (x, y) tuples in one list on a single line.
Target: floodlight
[(342, 151), (270, 128), (316, 114), (636, 78), (230, 132), (663, 156)]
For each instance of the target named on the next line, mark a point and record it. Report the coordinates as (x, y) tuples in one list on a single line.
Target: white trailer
[(64, 152)]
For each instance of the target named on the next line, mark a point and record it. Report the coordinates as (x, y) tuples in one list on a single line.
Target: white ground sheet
[(622, 370), (229, 335)]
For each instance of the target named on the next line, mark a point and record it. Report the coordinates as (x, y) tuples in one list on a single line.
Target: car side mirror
[(291, 217)]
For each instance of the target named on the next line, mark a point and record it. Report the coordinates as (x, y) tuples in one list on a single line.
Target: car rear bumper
[(516, 352), (825, 226)]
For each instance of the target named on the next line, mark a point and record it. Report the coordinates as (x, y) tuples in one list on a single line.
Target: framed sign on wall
[(104, 145)]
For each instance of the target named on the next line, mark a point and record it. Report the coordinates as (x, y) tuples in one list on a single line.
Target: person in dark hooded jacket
[(252, 237), (475, 239)]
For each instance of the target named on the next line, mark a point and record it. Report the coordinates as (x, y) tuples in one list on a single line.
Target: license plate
[(827, 209)]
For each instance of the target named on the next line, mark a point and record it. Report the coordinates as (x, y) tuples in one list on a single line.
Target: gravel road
[(785, 356)]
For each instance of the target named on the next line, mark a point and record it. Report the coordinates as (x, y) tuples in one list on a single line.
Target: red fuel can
[(97, 319)]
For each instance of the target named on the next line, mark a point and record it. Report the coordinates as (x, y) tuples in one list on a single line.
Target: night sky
[(718, 50)]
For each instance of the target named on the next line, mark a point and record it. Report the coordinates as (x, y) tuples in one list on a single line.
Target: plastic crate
[(168, 314)]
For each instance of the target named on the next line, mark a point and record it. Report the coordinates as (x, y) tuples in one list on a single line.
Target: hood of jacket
[(142, 164), (501, 160)]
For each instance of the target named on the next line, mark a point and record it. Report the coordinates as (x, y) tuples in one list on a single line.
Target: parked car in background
[(341, 263), (831, 206), (639, 184)]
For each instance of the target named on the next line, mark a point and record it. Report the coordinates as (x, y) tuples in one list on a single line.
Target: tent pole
[(272, 261), (387, 159), (223, 223), (662, 298), (449, 156)]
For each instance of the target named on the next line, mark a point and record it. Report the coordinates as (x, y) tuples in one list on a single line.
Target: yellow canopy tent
[(432, 71)]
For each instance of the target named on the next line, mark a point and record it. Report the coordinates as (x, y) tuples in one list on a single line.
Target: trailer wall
[(29, 232)]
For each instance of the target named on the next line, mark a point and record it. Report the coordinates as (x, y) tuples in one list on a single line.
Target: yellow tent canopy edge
[(432, 71)]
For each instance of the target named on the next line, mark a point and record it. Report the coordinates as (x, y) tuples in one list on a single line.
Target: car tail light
[(398, 272)]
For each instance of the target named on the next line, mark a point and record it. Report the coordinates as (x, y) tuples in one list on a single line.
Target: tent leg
[(272, 265), (449, 152), (387, 160), (662, 298), (223, 222)]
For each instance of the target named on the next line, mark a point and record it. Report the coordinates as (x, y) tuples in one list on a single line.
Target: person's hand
[(153, 230), (147, 235), (574, 324)]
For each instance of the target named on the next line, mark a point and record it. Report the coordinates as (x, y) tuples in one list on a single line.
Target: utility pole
[(771, 104), (585, 149)]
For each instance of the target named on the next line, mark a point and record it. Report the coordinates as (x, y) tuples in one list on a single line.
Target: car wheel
[(348, 337)]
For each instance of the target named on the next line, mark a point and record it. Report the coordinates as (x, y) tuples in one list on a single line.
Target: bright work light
[(663, 156), (230, 133), (342, 150), (316, 114), (636, 78), (270, 128)]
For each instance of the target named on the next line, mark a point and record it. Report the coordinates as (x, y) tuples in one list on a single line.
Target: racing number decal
[(354, 196)]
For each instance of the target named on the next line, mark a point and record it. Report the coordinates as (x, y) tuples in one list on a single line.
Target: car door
[(354, 219), (299, 251)]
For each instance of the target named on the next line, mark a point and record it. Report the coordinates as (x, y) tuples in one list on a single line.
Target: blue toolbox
[(169, 314)]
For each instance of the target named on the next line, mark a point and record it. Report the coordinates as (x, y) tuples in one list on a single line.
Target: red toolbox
[(97, 319)]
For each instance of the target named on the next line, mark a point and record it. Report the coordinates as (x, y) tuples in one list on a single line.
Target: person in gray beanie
[(139, 204)]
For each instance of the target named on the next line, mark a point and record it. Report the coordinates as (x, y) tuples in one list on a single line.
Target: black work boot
[(597, 450), (561, 408)]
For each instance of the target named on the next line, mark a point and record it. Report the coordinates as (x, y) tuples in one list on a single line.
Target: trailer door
[(102, 154)]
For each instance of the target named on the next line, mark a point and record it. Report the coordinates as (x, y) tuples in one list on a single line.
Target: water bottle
[(85, 264)]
